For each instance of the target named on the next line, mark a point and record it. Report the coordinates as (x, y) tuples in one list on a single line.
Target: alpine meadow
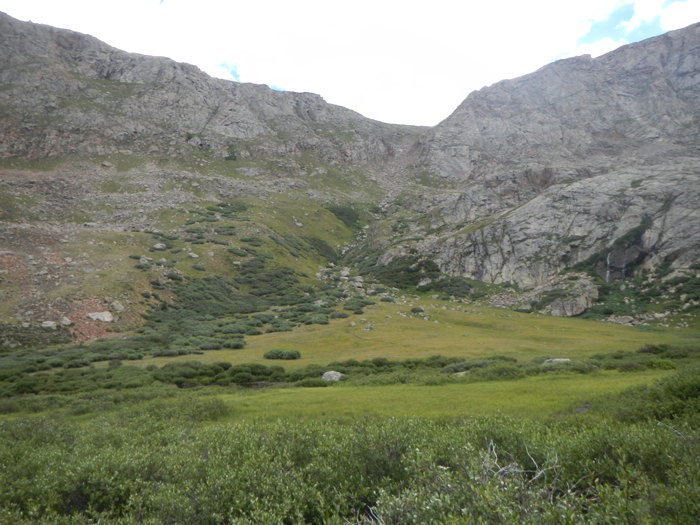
[(226, 304)]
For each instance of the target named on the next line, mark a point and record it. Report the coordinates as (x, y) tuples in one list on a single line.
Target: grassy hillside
[(457, 330)]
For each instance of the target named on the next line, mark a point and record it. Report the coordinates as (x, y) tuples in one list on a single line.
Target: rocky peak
[(578, 113)]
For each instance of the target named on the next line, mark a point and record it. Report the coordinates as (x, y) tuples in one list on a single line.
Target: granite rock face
[(566, 225), (554, 167)]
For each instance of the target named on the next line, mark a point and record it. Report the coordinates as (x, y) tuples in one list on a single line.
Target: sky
[(398, 61)]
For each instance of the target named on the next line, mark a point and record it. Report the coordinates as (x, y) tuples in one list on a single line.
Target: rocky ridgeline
[(68, 93)]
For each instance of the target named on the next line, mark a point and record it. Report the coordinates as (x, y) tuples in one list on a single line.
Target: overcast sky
[(396, 61)]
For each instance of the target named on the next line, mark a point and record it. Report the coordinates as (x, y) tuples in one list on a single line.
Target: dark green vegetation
[(638, 295), (278, 353), (150, 460), (16, 336), (346, 214), (401, 272), (421, 273), (31, 372)]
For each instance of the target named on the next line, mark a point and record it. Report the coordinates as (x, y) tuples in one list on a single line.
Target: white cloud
[(680, 14), (390, 60), (644, 11)]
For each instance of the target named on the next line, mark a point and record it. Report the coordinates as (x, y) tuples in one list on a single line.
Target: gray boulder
[(105, 317), (116, 307), (332, 376)]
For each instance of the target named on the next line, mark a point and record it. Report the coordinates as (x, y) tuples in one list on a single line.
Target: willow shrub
[(156, 463)]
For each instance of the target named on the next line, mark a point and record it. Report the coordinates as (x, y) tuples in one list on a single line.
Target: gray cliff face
[(567, 225), (68, 93), (553, 167)]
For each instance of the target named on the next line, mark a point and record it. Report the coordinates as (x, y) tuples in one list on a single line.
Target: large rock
[(116, 307), (105, 317), (580, 297), (332, 376)]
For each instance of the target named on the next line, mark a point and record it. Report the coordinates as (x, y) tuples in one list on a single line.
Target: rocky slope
[(586, 164), (553, 167)]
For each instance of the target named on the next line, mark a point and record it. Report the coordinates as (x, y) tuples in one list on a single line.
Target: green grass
[(540, 396), (43, 164), (119, 184), (480, 332), (14, 208)]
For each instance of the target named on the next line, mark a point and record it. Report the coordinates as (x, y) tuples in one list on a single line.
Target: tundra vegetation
[(447, 410), (134, 430)]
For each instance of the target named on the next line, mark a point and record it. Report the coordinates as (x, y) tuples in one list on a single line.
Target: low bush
[(154, 461), (277, 353)]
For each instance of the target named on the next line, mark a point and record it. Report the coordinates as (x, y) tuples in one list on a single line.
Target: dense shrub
[(346, 214), (277, 353), (401, 272), (450, 286), (323, 248), (152, 463)]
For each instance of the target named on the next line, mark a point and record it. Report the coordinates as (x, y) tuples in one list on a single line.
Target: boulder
[(105, 317), (116, 307), (50, 325), (622, 319), (580, 297), (332, 376), (65, 321), (557, 360)]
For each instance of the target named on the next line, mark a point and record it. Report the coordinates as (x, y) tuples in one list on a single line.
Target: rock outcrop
[(554, 167)]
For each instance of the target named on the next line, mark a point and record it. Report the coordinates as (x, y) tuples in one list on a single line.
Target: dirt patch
[(84, 328), (13, 269)]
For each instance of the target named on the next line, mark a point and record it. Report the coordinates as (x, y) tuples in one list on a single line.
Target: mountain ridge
[(526, 179)]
